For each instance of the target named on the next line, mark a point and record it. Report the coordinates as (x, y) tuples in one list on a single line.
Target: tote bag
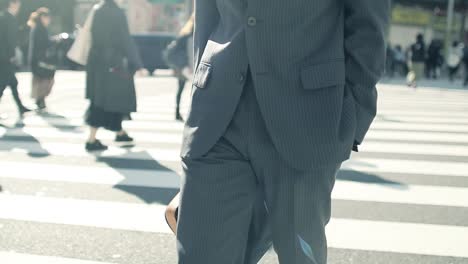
[(79, 51)]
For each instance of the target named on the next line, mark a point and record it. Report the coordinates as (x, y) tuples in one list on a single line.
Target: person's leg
[(451, 73), (259, 236), (180, 90), (40, 103), (411, 76), (172, 213), (300, 208), (92, 134), (121, 134), (93, 144), (13, 83), (465, 83), (298, 202), (434, 71), (95, 119), (260, 239), (222, 215), (217, 199), (2, 88)]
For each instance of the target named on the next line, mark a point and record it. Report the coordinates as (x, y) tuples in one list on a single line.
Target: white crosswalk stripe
[(43, 157), (17, 258)]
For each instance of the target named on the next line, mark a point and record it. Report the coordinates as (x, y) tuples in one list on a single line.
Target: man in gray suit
[(283, 91)]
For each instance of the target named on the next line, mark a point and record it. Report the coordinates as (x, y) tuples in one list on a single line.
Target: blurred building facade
[(143, 16), (409, 17), (429, 17)]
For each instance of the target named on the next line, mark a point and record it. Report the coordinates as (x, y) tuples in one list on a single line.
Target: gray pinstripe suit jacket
[(315, 64)]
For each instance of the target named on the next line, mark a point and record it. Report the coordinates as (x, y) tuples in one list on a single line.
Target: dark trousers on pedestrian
[(452, 72), (9, 80), (180, 90), (242, 196), (465, 83)]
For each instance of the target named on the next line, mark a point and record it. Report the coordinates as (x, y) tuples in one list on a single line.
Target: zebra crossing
[(402, 199)]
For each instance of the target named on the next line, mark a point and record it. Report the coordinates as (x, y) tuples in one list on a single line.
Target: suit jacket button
[(252, 21)]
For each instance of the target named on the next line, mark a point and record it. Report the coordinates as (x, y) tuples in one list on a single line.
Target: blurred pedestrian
[(454, 59), (42, 57), (465, 63), (112, 63), (417, 55), (434, 59), (9, 37), (390, 61), (400, 65), (177, 57)]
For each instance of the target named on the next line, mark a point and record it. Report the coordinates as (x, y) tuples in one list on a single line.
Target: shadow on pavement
[(127, 168), (357, 176), (387, 119), (31, 145), (67, 126)]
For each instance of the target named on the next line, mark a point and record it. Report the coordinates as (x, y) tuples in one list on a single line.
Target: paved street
[(402, 199)]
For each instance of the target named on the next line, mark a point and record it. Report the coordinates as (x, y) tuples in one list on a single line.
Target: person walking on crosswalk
[(176, 56), (112, 63), (8, 35), (417, 61), (281, 96), (41, 57)]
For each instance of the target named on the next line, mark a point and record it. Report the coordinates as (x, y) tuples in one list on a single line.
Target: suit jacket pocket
[(202, 75), (327, 74)]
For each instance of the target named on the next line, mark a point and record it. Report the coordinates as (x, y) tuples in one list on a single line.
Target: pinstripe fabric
[(315, 64), (222, 219)]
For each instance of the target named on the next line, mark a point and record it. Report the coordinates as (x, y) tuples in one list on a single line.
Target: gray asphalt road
[(402, 199)]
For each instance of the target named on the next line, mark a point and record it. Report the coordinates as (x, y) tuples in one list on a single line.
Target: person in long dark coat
[(112, 63), (433, 60), (40, 58), (8, 34)]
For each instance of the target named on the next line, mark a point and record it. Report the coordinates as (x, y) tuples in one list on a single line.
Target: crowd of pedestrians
[(432, 61), (110, 56), (41, 55)]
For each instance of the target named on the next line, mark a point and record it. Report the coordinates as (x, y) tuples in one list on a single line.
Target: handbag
[(176, 54), (79, 51)]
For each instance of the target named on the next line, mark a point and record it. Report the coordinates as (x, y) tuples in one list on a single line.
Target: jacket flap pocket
[(323, 75), (202, 75)]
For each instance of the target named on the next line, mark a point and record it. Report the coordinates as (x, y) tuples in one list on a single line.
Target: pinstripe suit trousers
[(241, 197)]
